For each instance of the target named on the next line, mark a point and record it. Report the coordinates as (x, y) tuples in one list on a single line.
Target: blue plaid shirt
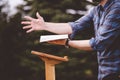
[(106, 22)]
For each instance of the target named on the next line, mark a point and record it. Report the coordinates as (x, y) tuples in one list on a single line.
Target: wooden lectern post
[(50, 62)]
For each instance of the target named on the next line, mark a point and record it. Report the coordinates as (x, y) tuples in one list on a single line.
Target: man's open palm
[(33, 24)]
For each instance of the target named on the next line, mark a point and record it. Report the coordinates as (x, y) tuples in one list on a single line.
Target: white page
[(45, 38)]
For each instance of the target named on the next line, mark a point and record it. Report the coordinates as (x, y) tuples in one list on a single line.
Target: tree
[(16, 45), (55, 11)]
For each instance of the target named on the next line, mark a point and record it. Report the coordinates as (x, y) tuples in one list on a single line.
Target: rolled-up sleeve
[(82, 23), (108, 32)]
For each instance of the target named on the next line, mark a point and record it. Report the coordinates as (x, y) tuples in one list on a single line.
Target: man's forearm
[(80, 44), (58, 28)]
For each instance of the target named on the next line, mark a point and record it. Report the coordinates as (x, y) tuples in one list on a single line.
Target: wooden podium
[(50, 62)]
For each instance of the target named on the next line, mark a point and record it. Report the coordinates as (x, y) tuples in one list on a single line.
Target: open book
[(46, 38)]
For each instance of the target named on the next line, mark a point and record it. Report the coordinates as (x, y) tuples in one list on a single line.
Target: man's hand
[(58, 42), (34, 24)]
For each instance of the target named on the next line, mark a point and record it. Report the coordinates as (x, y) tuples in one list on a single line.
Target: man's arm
[(58, 28), (79, 44), (33, 24), (62, 28)]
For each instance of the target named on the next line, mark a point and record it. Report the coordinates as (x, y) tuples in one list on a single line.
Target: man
[(105, 18)]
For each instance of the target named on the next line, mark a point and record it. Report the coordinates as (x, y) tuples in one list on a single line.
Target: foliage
[(17, 63)]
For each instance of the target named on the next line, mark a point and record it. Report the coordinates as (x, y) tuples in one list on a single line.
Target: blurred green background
[(16, 60)]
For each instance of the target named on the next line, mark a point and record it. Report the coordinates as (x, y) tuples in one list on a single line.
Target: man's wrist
[(45, 26)]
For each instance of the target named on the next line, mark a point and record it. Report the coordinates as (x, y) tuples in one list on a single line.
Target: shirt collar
[(106, 5)]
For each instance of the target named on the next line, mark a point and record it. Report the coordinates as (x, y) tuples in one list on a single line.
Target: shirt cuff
[(97, 46), (92, 43), (72, 35)]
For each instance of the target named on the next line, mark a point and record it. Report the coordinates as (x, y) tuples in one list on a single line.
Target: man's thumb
[(38, 15)]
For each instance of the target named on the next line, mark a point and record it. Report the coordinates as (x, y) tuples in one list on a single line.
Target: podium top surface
[(41, 54)]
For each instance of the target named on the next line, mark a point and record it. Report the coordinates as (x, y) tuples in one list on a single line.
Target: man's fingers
[(28, 18), (26, 27), (25, 22), (30, 30)]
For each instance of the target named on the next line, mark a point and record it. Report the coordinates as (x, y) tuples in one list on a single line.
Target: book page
[(45, 38)]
